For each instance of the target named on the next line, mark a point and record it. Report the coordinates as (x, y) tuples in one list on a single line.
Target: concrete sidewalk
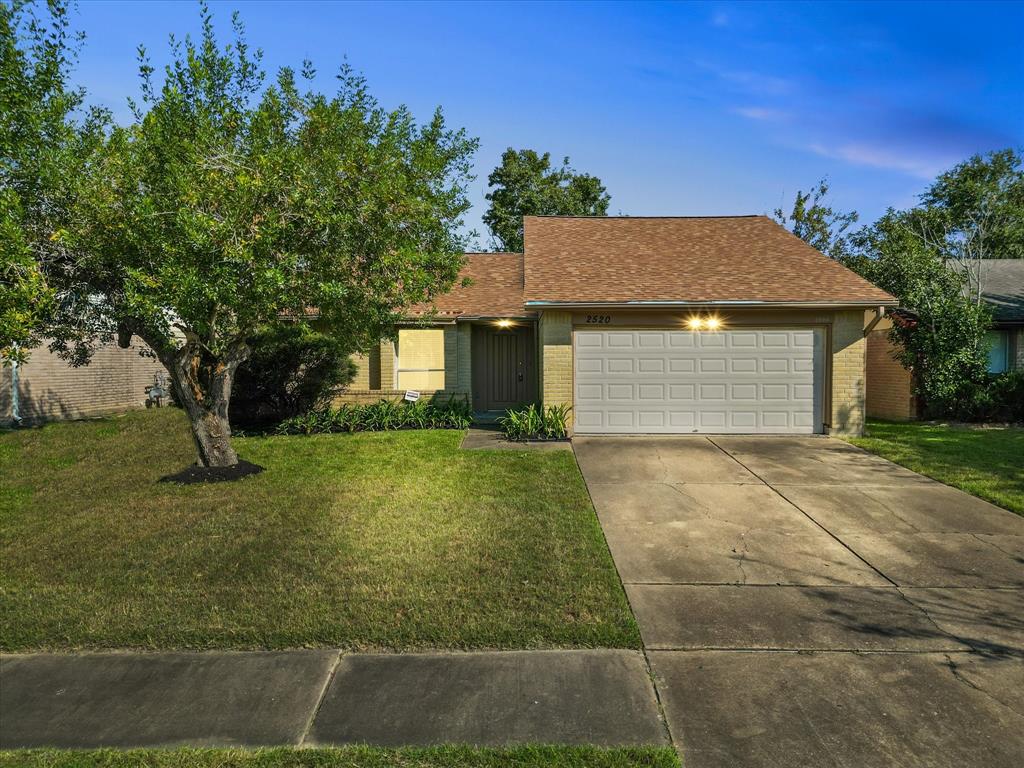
[(323, 697)]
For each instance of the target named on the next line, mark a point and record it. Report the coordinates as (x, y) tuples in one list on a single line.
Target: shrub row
[(999, 398), (535, 423), (379, 417)]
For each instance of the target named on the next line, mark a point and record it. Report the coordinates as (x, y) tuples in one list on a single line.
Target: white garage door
[(679, 382)]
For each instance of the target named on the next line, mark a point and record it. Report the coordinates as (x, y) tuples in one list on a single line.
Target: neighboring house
[(646, 325), (890, 386), (48, 388)]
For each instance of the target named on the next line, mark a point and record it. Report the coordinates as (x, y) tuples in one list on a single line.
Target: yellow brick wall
[(457, 371), (362, 378), (848, 371), (464, 366), (889, 384), (114, 381), (556, 358)]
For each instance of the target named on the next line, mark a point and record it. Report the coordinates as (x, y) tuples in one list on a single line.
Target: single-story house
[(891, 387), (658, 325)]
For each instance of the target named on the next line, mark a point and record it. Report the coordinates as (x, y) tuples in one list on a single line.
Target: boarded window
[(420, 361)]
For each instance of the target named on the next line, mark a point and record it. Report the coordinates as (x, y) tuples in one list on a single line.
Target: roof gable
[(748, 259)]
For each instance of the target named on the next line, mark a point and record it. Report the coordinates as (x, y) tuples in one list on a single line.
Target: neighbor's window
[(998, 351), (419, 358)]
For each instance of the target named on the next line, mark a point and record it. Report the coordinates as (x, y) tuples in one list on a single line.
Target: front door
[(503, 368)]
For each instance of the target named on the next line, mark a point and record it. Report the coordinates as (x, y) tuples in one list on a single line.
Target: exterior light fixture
[(504, 323), (704, 323)]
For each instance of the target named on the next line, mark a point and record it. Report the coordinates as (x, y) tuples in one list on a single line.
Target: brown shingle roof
[(496, 288), (633, 259)]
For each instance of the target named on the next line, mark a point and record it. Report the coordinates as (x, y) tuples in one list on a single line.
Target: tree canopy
[(981, 200), (44, 136), (932, 257), (526, 184), (816, 223), (231, 204)]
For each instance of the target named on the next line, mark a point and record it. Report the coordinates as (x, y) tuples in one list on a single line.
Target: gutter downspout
[(879, 314)]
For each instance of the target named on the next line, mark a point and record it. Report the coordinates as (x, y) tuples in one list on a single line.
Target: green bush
[(381, 416), (535, 423), (290, 371), (1000, 397)]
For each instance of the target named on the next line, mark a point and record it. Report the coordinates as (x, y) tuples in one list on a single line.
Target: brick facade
[(113, 382), (848, 374), (556, 359), (890, 385), (375, 371)]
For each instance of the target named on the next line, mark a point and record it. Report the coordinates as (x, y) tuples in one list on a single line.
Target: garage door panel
[(712, 391), (743, 391), (671, 381), (682, 365), (589, 365), (651, 365)]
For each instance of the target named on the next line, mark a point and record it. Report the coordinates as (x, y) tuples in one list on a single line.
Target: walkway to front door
[(804, 603)]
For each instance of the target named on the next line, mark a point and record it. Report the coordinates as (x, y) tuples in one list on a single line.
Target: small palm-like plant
[(533, 423)]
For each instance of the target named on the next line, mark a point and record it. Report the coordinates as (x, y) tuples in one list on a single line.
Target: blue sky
[(681, 109)]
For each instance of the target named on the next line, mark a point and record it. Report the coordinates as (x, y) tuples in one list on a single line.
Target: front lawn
[(987, 462), (395, 540), (350, 757)]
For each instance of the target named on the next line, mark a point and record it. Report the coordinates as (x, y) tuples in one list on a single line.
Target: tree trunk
[(203, 386), (211, 433)]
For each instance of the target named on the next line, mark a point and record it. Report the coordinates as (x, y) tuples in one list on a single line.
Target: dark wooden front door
[(504, 373)]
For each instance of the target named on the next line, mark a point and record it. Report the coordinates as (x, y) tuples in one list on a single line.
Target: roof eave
[(751, 304)]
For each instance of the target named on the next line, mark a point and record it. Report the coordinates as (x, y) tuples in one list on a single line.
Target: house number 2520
[(601, 319)]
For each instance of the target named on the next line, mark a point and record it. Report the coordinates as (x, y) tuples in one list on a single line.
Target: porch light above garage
[(704, 323), (504, 323)]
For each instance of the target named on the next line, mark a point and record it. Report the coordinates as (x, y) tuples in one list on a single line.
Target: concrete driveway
[(804, 603)]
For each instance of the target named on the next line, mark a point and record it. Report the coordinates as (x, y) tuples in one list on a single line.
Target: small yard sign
[(412, 395)]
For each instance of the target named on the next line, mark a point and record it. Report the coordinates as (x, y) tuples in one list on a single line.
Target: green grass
[(395, 540), (987, 462), (349, 757)]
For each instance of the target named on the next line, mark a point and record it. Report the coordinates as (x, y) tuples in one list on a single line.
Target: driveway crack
[(958, 676), (993, 545)]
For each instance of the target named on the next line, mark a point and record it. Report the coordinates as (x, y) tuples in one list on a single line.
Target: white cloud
[(890, 158), (766, 114)]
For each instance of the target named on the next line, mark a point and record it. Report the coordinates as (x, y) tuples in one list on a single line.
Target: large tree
[(526, 184), (980, 200), (231, 204), (44, 135), (939, 329), (814, 221), (933, 258)]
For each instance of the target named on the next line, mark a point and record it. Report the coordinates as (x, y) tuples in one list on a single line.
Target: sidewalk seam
[(320, 699)]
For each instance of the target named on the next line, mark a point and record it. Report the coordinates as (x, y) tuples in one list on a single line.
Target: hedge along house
[(647, 326)]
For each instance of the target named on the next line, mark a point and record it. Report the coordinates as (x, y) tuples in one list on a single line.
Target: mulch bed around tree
[(200, 474)]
